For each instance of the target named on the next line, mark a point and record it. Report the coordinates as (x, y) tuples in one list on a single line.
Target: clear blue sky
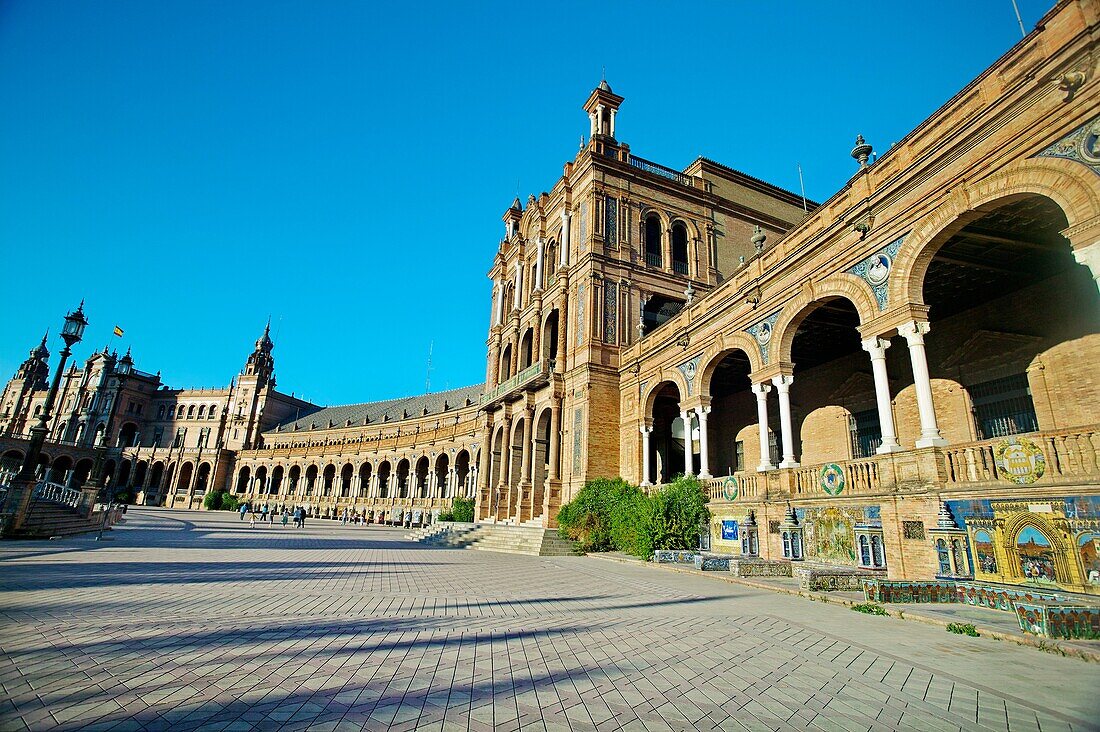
[(191, 167)]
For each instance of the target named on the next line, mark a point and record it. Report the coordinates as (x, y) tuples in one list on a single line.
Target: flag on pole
[(118, 331)]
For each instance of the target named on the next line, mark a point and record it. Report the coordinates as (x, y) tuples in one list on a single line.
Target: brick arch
[(666, 376), (851, 288), (724, 345), (1071, 186)]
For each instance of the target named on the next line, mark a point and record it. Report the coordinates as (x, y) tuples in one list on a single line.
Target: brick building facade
[(901, 378)]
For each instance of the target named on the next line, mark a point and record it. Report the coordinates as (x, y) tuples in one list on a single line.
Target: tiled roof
[(390, 410)]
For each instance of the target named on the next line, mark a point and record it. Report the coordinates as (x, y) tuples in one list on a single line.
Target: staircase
[(505, 538), (46, 519)]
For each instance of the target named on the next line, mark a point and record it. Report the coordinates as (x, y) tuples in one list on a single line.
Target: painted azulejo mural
[(1043, 542), (832, 534)]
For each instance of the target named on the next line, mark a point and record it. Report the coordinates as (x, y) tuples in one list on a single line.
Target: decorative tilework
[(1082, 146), (875, 270), (578, 427), (583, 244), (762, 333), (610, 310), (579, 328), (689, 369), (611, 221)]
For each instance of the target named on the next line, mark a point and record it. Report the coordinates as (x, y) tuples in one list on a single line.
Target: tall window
[(866, 434), (158, 436), (679, 248), (204, 436), (653, 241), (1003, 407), (181, 433)]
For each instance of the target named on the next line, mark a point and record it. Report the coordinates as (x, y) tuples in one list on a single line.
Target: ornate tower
[(32, 375), (249, 394)]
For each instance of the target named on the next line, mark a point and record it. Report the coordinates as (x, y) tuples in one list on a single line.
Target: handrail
[(658, 169), (532, 372), (57, 493)]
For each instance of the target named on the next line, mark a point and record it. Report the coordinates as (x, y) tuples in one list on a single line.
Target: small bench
[(756, 567), (824, 578), (1059, 619), (674, 556), (713, 562)]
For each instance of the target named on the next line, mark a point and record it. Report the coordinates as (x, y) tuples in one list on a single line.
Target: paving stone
[(348, 628)]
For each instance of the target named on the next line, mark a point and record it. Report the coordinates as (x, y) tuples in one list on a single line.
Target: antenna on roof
[(1019, 20), (428, 380), (802, 185)]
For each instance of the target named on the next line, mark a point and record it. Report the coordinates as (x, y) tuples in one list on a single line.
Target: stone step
[(504, 538)]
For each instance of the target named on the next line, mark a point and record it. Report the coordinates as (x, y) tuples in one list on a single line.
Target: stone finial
[(751, 520), (791, 518), (944, 519), (758, 238), (862, 151)]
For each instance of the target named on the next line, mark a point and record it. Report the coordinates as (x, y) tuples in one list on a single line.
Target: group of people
[(268, 514)]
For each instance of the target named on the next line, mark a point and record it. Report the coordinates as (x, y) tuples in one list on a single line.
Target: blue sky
[(192, 167)]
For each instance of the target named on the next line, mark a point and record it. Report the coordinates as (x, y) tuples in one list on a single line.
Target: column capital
[(876, 346), (783, 382), (914, 331), (702, 410), (761, 389), (645, 429)]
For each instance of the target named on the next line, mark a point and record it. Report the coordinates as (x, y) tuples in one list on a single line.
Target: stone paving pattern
[(188, 620)]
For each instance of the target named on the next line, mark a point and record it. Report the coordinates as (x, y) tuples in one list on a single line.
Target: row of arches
[(537, 341), (1011, 314), (403, 478), (666, 244), (523, 461)]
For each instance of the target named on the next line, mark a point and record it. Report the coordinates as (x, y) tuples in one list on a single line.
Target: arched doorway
[(277, 474), (294, 476), (184, 480), (442, 468), (243, 477), (421, 485), (128, 435), (384, 479), (462, 474), (402, 478), (364, 480), (202, 478), (346, 475), (327, 480), (550, 337), (666, 443), (732, 428)]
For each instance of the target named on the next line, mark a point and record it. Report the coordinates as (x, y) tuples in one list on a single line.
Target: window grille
[(866, 433), (912, 529), (1003, 407)]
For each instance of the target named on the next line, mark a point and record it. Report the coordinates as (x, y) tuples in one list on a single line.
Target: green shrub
[(963, 629), (869, 608), (678, 513), (220, 501), (462, 510), (611, 514)]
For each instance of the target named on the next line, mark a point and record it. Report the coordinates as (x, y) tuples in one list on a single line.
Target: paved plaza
[(188, 620)]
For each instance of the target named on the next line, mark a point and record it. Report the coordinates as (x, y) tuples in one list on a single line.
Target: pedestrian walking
[(252, 521), (263, 512), (244, 509), (285, 517)]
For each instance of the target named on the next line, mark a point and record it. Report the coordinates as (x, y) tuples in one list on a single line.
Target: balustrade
[(57, 493)]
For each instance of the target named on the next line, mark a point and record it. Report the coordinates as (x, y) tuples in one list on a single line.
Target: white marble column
[(689, 458), (646, 431), (538, 265), (914, 332), (704, 460), (566, 238), (783, 389), (498, 302), (761, 390), (876, 348)]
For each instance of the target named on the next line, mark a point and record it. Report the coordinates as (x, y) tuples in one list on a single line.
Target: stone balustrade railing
[(1051, 457), (57, 493)]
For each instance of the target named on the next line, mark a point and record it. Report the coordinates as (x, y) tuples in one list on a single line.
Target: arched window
[(679, 248), (787, 544), (653, 241), (179, 413), (877, 558), (943, 557), (160, 412), (550, 263), (213, 411), (191, 411), (864, 551), (202, 411)]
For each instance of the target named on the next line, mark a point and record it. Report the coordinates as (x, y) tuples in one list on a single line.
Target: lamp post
[(71, 333), (22, 486)]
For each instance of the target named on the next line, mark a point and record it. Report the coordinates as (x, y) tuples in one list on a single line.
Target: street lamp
[(71, 333)]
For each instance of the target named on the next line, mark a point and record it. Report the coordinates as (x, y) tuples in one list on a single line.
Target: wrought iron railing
[(652, 259), (532, 372), (57, 493), (656, 169), (679, 267)]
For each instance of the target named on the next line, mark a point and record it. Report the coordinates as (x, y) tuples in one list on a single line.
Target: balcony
[(653, 259), (679, 267), (1065, 458), (654, 168), (535, 375)]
